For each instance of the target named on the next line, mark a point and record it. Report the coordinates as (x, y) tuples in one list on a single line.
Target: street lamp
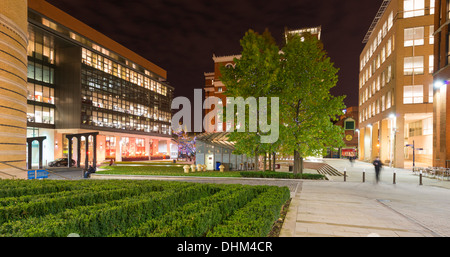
[(414, 153)]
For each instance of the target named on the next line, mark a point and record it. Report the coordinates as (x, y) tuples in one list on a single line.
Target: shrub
[(284, 175)]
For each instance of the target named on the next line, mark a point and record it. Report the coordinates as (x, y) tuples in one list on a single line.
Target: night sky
[(181, 36)]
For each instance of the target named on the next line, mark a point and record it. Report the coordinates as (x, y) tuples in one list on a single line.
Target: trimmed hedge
[(98, 208), (286, 175)]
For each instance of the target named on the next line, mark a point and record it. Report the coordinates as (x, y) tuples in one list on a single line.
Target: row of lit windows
[(104, 91), (125, 122), (386, 51), (84, 41), (415, 94), (99, 62), (377, 40), (40, 114), (380, 105), (40, 46), (40, 93), (119, 105), (381, 81)]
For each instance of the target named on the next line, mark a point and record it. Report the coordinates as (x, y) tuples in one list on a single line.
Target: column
[(41, 142), (13, 90), (69, 152), (94, 147), (86, 151), (78, 151), (118, 149), (168, 147)]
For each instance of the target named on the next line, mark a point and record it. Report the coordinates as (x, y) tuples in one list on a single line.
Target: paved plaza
[(350, 208)]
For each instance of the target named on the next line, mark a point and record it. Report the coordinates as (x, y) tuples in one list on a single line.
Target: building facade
[(13, 83), (215, 87), (441, 107), (396, 84), (86, 96)]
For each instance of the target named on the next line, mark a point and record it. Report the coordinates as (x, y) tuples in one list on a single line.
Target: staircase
[(322, 168)]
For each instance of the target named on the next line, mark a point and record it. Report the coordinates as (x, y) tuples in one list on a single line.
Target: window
[(430, 35), (431, 64), (413, 94), (389, 47), (431, 6), (390, 20), (349, 124), (388, 100), (428, 126), (413, 8), (414, 36), (413, 65), (415, 128)]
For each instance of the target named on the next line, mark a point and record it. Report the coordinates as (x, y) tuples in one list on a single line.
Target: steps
[(322, 168)]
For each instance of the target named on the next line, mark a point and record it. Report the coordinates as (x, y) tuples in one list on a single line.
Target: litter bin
[(217, 165)]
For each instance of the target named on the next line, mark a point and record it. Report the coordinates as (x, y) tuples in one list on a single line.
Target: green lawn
[(161, 169), (175, 169)]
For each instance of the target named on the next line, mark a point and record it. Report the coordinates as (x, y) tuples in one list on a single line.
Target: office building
[(396, 85), (441, 107), (86, 96)]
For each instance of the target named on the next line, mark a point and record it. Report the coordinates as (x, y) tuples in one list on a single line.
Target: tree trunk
[(298, 163), (265, 159), (273, 157), (270, 162), (256, 161)]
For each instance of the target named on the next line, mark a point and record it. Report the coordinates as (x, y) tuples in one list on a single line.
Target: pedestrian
[(89, 172), (378, 165)]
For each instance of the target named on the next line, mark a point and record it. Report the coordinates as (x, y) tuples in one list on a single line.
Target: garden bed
[(128, 208)]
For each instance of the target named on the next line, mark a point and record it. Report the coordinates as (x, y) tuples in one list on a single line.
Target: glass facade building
[(79, 81)]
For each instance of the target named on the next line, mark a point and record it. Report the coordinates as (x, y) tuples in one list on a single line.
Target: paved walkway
[(334, 208), (355, 209)]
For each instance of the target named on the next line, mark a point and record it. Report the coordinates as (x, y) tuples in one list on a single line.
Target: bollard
[(364, 176), (394, 177), (420, 176), (345, 175)]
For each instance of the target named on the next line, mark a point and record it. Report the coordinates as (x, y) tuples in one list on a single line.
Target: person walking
[(378, 165)]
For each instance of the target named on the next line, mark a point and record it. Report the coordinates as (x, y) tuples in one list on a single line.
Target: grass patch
[(174, 169), (151, 169)]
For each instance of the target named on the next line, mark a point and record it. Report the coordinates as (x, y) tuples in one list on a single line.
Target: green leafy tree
[(307, 108), (301, 76), (253, 75)]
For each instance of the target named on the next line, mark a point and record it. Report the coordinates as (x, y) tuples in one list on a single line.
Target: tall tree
[(307, 107), (252, 76)]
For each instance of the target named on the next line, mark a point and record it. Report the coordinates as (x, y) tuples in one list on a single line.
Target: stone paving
[(334, 208)]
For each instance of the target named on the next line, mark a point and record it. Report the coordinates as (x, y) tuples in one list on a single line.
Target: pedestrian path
[(351, 208)]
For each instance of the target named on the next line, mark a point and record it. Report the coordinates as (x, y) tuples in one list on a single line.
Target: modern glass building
[(90, 98)]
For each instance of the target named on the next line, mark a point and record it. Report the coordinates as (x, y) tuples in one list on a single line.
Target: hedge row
[(256, 218), (95, 208), (285, 175)]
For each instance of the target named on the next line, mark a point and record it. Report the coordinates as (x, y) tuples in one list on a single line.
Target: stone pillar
[(13, 90), (118, 149), (168, 147)]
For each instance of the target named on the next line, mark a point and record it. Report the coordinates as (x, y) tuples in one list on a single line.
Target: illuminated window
[(413, 8), (414, 36), (413, 94), (413, 65)]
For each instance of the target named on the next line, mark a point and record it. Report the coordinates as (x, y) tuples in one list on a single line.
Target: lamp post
[(414, 153)]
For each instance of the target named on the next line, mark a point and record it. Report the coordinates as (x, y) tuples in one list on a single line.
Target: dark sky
[(182, 35)]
